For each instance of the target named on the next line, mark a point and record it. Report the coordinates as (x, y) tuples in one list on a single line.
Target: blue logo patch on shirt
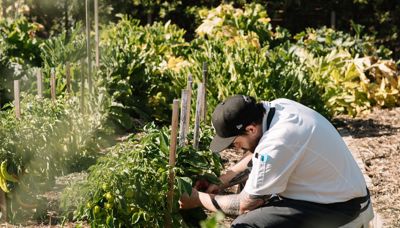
[(264, 158)]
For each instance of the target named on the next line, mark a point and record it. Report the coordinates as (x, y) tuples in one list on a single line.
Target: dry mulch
[(376, 139)]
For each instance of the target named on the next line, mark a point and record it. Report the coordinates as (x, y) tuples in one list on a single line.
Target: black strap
[(270, 116), (362, 199), (215, 203)]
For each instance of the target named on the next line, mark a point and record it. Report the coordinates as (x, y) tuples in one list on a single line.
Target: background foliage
[(148, 50)]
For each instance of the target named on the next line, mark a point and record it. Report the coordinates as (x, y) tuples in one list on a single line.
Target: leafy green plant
[(250, 25), (134, 59), (352, 85), (19, 50), (324, 40), (65, 47), (50, 139), (263, 73), (128, 186)]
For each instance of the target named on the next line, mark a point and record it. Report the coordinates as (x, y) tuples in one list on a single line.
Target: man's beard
[(253, 146)]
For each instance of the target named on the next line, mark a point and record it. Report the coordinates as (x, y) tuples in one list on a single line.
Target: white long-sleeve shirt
[(303, 157)]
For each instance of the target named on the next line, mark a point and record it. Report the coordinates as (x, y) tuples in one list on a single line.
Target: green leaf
[(184, 185), (135, 217)]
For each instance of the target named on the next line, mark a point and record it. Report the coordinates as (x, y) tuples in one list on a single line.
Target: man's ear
[(251, 129)]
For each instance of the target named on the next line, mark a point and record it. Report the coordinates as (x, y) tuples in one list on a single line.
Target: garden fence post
[(39, 82), (204, 104), (68, 75), (333, 19), (17, 100), (88, 51), (182, 124), (82, 86), (172, 158), (189, 101), (53, 84), (4, 8), (196, 130), (96, 29)]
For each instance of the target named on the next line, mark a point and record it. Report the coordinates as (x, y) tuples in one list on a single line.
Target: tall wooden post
[(17, 100), (39, 82), (204, 109), (172, 158), (66, 22), (189, 101), (197, 119), (82, 86), (333, 19), (182, 125), (96, 29), (89, 54), (68, 76), (4, 8), (53, 84)]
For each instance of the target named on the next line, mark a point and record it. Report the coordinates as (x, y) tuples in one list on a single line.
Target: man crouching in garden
[(299, 173)]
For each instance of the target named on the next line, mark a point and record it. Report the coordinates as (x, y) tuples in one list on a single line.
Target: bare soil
[(376, 139)]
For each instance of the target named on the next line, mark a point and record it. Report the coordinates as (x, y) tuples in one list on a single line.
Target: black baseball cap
[(230, 119)]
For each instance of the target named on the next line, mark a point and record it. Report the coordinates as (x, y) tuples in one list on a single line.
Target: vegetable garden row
[(141, 70)]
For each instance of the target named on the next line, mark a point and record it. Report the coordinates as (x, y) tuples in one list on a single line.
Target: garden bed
[(376, 138)]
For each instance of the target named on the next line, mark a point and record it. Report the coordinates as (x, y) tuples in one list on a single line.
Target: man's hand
[(188, 202), (205, 186), (201, 185), (214, 189)]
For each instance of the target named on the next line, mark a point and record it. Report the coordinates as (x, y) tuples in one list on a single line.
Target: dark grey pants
[(280, 212)]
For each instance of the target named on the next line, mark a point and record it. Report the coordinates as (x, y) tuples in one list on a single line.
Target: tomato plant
[(128, 186)]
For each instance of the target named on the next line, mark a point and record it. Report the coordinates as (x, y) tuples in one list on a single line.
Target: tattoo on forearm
[(240, 177), (229, 204)]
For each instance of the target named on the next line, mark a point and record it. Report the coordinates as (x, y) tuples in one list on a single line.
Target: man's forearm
[(230, 204), (239, 178), (239, 173)]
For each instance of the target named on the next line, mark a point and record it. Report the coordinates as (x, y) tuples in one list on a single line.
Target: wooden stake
[(333, 19), (66, 24), (39, 82), (182, 125), (53, 84), (82, 85), (172, 158), (89, 54), (189, 102), (4, 8), (197, 120), (204, 109), (96, 29), (16, 99), (68, 76)]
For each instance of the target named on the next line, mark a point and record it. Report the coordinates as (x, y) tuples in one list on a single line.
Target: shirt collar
[(267, 106)]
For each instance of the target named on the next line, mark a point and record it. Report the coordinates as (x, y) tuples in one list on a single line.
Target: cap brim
[(218, 143)]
